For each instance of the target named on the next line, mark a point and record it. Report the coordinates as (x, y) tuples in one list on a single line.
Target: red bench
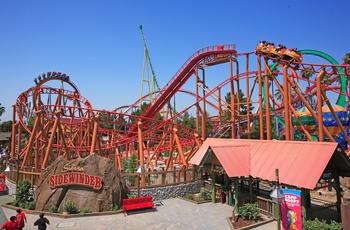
[(141, 202)]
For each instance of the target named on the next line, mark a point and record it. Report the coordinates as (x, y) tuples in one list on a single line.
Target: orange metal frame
[(68, 126)]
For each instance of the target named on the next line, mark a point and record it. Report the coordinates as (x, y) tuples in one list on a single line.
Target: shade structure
[(300, 163), (306, 118), (329, 119)]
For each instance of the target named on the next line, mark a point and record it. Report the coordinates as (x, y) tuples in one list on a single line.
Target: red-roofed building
[(301, 165)]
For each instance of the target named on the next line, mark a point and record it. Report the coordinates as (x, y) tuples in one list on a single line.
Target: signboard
[(328, 175), (73, 175), (218, 168), (75, 178), (291, 210)]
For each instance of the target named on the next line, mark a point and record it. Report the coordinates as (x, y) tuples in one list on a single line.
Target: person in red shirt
[(20, 218), (10, 225)]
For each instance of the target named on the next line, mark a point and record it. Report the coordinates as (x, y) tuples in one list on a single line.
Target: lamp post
[(139, 172), (17, 167), (277, 197)]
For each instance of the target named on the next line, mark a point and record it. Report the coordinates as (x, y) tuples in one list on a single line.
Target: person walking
[(10, 224), (41, 222), (20, 218)]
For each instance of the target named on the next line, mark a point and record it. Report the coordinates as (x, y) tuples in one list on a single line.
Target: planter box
[(194, 201), (263, 220)]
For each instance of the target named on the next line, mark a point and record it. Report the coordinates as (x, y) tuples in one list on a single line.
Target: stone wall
[(162, 193), (11, 187), (159, 193)]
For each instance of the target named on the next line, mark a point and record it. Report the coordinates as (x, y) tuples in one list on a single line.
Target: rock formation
[(90, 182)]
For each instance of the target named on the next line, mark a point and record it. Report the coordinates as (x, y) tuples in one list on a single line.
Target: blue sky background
[(99, 44)]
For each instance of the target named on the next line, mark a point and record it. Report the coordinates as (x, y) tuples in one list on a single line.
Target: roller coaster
[(50, 122)]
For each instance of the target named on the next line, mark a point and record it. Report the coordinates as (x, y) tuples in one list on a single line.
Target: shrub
[(249, 211), (189, 196), (317, 224), (30, 205), (85, 210), (204, 194), (132, 162), (22, 194), (114, 207), (70, 207), (54, 209), (132, 195)]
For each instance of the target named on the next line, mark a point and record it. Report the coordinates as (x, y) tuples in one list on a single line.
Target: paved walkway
[(173, 214)]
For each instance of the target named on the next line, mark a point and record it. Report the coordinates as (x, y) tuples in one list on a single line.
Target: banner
[(291, 210)]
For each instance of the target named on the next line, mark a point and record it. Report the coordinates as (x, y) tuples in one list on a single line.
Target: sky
[(99, 43)]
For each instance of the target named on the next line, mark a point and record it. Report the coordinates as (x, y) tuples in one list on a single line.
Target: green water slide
[(342, 98)]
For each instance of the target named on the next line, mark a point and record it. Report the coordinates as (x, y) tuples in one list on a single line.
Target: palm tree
[(2, 110), (278, 95), (346, 58), (325, 79), (307, 73)]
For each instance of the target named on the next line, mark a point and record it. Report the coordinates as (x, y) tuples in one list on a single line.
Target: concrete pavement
[(3, 200), (172, 214)]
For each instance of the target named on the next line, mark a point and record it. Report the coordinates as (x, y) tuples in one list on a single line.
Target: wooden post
[(213, 190), (278, 203)]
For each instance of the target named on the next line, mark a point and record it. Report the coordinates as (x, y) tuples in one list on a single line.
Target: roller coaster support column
[(261, 115), (335, 116), (314, 115), (117, 160), (267, 99), (13, 139), (286, 98), (50, 144), (204, 114), (94, 134), (179, 148), (141, 156), (247, 94), (319, 105), (197, 98), (32, 138), (296, 89), (233, 114), (239, 129)]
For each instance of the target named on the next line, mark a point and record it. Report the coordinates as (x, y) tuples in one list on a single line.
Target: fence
[(15, 174), (153, 179), (162, 178), (327, 212)]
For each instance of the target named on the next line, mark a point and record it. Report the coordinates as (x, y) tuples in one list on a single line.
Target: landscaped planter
[(194, 200), (248, 224), (64, 214)]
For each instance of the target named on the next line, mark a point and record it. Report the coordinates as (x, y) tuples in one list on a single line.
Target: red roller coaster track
[(55, 122)]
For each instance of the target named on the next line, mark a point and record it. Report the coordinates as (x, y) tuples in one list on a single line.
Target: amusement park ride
[(312, 105)]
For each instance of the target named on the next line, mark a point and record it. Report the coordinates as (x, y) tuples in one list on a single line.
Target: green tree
[(187, 120), (255, 129), (2, 110), (22, 194), (242, 107), (106, 120), (141, 109), (325, 79), (346, 59), (132, 163), (307, 73), (243, 110), (6, 126)]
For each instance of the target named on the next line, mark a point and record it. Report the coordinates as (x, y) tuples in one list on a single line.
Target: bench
[(136, 203)]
